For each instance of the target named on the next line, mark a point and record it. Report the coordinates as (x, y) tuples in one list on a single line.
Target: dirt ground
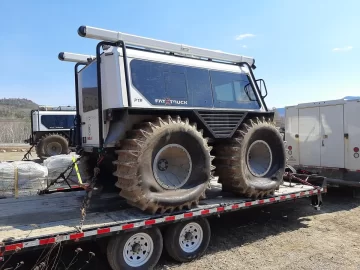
[(290, 235)]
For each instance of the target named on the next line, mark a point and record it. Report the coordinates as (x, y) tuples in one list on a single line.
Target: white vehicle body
[(114, 94), (323, 135)]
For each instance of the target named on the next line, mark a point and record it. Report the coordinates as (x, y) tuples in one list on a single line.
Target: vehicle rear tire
[(186, 241), (52, 145), (135, 250), (164, 165), (252, 163)]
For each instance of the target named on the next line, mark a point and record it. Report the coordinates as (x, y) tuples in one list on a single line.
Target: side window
[(89, 88), (175, 85), (199, 87), (57, 121), (229, 90), (160, 83)]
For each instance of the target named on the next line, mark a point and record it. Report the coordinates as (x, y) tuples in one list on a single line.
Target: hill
[(16, 108)]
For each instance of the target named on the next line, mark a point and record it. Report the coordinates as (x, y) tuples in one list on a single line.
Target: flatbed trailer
[(38, 222)]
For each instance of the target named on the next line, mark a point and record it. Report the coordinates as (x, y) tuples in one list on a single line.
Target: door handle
[(322, 142)]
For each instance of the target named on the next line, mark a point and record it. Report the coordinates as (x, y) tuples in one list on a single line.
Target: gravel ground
[(289, 235)]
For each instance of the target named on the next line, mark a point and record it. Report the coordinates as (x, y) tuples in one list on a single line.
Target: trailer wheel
[(186, 241), (135, 250), (52, 145), (253, 161), (164, 165)]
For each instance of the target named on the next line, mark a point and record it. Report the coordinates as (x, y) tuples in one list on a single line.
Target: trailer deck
[(38, 221)]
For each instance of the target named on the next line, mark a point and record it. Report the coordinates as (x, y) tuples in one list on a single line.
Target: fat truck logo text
[(168, 101)]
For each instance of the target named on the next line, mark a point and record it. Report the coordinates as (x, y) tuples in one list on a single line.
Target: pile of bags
[(25, 178)]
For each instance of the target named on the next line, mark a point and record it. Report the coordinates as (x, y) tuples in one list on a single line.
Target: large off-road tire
[(252, 163), (164, 165), (51, 145)]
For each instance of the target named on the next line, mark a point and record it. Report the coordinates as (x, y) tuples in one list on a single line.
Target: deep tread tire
[(117, 243), (49, 138), (136, 155), (171, 241), (231, 162)]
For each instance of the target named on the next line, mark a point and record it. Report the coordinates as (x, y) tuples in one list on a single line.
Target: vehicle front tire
[(164, 165), (52, 145)]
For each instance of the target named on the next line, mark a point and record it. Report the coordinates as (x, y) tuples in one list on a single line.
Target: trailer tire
[(185, 250), (146, 244), (57, 142), (164, 165), (252, 163)]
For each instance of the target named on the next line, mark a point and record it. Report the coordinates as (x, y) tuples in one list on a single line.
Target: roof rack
[(56, 108), (148, 43)]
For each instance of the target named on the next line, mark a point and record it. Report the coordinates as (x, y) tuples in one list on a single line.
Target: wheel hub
[(163, 164), (188, 236), (172, 166), (53, 148), (136, 248), (259, 158)]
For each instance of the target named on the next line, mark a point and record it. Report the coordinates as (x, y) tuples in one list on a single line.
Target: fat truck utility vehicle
[(50, 130), (176, 117)]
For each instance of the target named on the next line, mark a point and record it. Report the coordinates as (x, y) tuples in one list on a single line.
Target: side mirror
[(262, 87)]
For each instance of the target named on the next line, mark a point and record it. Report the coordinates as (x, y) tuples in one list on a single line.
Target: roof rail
[(148, 43), (56, 108)]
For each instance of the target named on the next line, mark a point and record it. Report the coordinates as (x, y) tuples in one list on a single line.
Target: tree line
[(14, 131)]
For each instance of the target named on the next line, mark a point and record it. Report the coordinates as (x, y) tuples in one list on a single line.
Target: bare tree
[(14, 131)]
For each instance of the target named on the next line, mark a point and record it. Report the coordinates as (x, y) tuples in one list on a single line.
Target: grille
[(221, 124)]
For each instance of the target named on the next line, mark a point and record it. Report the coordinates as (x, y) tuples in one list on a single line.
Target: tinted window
[(57, 121), (158, 81), (229, 90), (89, 88), (185, 85), (199, 87)]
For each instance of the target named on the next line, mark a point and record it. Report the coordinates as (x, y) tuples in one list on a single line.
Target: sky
[(304, 50)]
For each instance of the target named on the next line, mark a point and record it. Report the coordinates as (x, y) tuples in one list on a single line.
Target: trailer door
[(352, 129), (332, 136), (291, 134), (309, 136)]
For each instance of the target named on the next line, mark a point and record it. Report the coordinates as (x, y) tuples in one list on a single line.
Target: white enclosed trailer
[(324, 137)]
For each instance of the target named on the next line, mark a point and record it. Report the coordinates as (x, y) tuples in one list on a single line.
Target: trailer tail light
[(356, 149)]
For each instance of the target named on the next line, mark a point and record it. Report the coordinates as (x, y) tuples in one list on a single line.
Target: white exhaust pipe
[(74, 57)]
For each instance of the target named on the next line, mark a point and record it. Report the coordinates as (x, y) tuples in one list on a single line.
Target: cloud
[(244, 46), (243, 36), (343, 49)]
